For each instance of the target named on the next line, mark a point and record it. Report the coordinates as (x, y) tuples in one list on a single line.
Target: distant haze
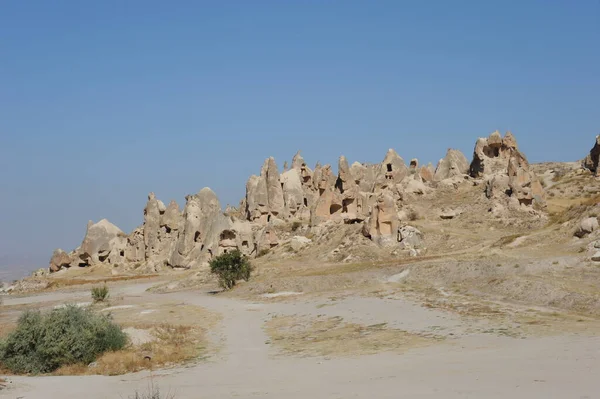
[(103, 102)]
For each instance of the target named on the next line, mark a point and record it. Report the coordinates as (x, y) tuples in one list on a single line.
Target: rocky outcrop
[(100, 239), (587, 226), (202, 224), (264, 194), (59, 260), (382, 224), (453, 164), (391, 171), (506, 171), (369, 194), (592, 160)]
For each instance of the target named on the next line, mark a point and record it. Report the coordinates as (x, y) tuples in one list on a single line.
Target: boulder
[(596, 256), (410, 237), (59, 260), (587, 226)]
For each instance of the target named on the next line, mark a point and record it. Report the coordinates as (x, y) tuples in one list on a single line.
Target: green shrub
[(231, 267), (42, 343), (296, 225), (100, 294)]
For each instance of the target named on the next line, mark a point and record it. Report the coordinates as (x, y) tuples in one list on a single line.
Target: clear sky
[(102, 102)]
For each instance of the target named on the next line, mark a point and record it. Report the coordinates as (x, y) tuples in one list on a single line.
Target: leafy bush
[(296, 225), (42, 343), (100, 294), (231, 267)]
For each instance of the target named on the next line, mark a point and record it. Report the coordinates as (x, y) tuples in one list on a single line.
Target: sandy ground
[(466, 363)]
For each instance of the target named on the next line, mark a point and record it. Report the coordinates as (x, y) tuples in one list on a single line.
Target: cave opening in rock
[(167, 229), (305, 201), (122, 253), (197, 236), (334, 208), (389, 167)]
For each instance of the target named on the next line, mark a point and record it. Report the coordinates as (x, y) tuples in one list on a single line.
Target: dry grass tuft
[(69, 282), (332, 337), (173, 344)]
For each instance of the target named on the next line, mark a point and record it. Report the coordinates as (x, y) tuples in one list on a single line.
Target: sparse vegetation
[(100, 294), (412, 215), (41, 343), (332, 336), (230, 268), (296, 225), (262, 252), (153, 393)]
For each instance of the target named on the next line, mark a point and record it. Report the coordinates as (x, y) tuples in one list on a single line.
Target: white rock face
[(299, 242), (587, 226)]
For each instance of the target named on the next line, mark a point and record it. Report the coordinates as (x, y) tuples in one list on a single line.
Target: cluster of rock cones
[(375, 195)]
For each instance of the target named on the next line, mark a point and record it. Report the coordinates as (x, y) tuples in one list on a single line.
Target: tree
[(231, 267)]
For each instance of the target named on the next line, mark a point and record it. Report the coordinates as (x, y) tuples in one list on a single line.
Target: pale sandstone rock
[(410, 237), (427, 173), (135, 252), (264, 194), (391, 171), (453, 164), (59, 260), (382, 224), (203, 222), (587, 226), (267, 238), (299, 242), (506, 171), (96, 245), (364, 175), (591, 161), (293, 192)]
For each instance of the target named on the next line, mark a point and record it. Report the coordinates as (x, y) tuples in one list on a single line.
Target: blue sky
[(104, 101)]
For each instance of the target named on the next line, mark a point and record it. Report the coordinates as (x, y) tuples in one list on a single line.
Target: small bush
[(263, 252), (412, 215), (100, 294), (42, 343), (231, 267), (296, 225), (152, 393)]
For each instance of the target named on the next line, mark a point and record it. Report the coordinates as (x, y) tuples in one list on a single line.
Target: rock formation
[(506, 171), (453, 164), (382, 225), (375, 195), (591, 161)]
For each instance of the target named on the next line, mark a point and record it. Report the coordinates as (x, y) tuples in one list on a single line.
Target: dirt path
[(472, 366)]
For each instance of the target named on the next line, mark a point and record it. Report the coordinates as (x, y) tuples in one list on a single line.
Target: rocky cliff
[(378, 196)]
